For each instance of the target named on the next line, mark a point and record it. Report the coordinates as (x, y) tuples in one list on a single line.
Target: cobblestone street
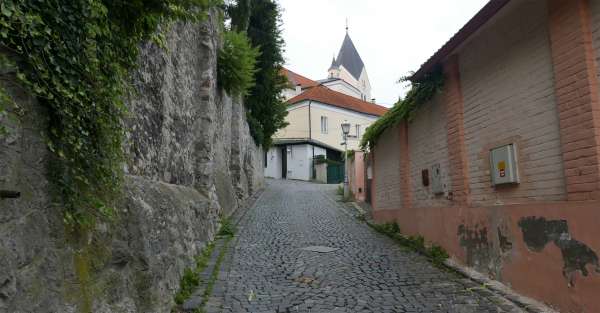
[(267, 269)]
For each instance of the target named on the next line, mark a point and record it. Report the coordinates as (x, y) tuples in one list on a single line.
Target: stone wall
[(190, 159)]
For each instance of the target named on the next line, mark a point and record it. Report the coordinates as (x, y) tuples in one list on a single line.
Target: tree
[(265, 105)]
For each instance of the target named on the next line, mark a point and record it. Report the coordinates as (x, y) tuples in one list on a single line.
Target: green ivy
[(236, 63), (405, 109), (74, 56)]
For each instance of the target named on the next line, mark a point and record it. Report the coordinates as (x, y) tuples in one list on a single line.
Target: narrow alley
[(270, 269)]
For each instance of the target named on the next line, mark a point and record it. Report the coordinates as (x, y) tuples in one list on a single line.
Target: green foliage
[(435, 253), (350, 154), (189, 281), (227, 228), (214, 275), (389, 229), (236, 63), (239, 12), (405, 109), (5, 99), (320, 159), (266, 108), (74, 56), (191, 276)]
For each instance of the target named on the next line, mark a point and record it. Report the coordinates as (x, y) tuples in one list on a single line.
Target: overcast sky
[(393, 37)]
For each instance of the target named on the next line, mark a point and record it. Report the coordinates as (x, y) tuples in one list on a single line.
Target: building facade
[(315, 117), (502, 168), (316, 111)]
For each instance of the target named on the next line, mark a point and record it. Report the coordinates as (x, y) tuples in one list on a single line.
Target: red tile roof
[(295, 79), (327, 96)]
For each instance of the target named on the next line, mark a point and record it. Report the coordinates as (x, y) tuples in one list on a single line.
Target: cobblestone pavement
[(266, 269)]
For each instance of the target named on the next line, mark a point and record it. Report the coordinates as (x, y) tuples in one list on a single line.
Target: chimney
[(298, 89), (372, 100)]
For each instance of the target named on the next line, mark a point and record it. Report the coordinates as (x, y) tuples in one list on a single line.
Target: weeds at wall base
[(191, 280), (435, 253)]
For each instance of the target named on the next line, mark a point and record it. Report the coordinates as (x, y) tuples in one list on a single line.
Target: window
[(357, 131), (324, 127)]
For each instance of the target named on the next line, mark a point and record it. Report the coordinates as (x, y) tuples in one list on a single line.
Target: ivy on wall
[(421, 91), (236, 63), (74, 56)]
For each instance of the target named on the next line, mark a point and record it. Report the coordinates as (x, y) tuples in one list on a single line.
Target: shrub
[(189, 281), (437, 254), (227, 228), (236, 63)]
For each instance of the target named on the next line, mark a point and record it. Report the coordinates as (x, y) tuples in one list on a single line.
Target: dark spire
[(349, 58), (333, 63)]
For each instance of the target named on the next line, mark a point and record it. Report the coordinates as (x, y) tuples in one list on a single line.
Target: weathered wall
[(428, 146), (356, 175), (190, 158), (595, 22), (386, 171), (525, 78), (507, 85)]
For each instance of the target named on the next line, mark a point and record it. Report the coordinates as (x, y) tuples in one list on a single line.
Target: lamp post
[(345, 131)]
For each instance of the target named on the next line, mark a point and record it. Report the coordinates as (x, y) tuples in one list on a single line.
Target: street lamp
[(345, 131)]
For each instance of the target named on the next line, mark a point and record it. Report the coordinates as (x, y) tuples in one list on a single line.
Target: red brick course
[(453, 101), (576, 82)]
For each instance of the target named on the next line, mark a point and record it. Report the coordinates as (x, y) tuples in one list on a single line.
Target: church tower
[(347, 73)]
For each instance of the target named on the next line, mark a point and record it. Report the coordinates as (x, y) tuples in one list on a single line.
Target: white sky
[(393, 37)]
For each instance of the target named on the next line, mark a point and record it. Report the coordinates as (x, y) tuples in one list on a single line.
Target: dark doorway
[(284, 162)]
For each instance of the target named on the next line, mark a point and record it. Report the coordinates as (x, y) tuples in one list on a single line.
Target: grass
[(435, 253), (227, 228), (191, 276)]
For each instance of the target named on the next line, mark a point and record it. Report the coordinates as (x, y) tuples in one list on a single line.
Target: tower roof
[(333, 63), (349, 58)]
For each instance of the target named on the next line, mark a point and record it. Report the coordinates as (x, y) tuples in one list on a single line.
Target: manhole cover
[(320, 249), (305, 280)]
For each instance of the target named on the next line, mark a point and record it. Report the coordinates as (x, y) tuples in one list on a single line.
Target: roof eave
[(334, 105), (480, 19)]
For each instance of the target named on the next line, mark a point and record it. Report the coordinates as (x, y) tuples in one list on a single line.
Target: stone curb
[(197, 299), (528, 304)]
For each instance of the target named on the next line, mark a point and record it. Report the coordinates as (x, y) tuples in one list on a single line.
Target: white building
[(316, 110)]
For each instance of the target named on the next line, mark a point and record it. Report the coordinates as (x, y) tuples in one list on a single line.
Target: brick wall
[(530, 76), (387, 182), (507, 82), (576, 85), (595, 27), (428, 146)]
